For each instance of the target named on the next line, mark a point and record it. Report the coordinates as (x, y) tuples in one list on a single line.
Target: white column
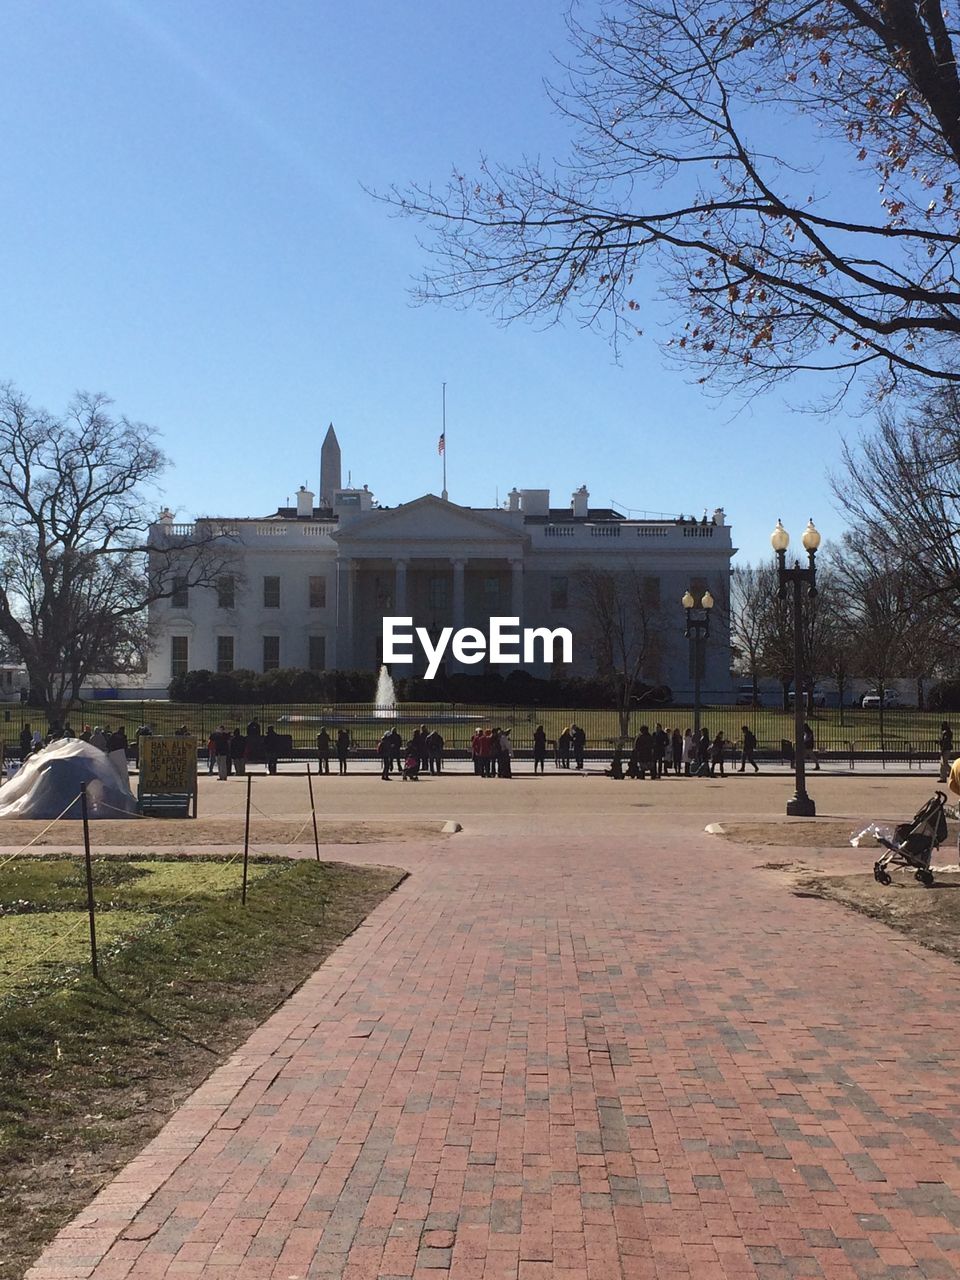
[(516, 590), (458, 568), (345, 605), (400, 587)]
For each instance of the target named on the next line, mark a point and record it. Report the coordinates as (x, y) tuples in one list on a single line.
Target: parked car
[(818, 697), (871, 700)]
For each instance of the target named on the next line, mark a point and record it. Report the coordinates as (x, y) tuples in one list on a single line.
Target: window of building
[(317, 653), (318, 593), (271, 653), (179, 596), (271, 593), (224, 653), (226, 591), (179, 655), (559, 592), (438, 593)]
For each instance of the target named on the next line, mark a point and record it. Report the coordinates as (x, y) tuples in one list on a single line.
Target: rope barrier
[(40, 834)]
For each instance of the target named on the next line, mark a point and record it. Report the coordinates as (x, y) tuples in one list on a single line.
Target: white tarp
[(45, 785)]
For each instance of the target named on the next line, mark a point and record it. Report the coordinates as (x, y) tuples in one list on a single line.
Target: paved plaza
[(583, 1040)]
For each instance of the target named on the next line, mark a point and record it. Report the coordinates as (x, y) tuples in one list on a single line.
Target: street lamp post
[(697, 630), (801, 806)]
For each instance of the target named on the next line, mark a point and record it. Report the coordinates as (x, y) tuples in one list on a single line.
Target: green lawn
[(89, 1070)]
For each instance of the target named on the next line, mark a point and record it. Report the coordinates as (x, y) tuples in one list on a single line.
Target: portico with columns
[(430, 560)]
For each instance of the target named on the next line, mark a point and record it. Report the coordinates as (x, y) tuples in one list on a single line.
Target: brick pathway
[(553, 1059)]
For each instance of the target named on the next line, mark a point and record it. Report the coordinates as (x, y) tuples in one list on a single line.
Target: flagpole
[(443, 437)]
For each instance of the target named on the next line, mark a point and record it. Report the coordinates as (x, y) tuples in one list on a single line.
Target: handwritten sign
[(168, 766)]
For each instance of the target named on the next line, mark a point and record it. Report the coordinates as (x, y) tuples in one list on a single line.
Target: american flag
[(442, 443)]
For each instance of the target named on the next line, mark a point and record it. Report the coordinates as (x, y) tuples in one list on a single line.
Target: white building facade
[(312, 583)]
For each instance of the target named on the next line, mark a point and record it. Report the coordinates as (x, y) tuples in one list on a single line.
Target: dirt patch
[(186, 832), (930, 916), (800, 833)]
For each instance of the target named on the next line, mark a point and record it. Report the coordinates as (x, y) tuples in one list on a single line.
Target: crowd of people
[(652, 755), (107, 739), (423, 751)]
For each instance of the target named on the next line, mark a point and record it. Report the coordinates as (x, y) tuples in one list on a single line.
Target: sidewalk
[(569, 1057)]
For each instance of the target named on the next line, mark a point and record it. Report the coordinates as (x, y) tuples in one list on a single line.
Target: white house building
[(313, 582)]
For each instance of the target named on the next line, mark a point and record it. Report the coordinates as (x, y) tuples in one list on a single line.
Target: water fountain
[(385, 708)]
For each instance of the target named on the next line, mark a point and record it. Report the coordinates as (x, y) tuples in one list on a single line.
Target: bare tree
[(900, 487), (751, 589), (76, 571), (622, 610), (672, 107)]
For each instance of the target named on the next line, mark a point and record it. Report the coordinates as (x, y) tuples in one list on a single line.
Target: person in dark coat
[(26, 742), (810, 746), (676, 748), (563, 749), (539, 747), (578, 740), (323, 750), (271, 749), (716, 754), (660, 741), (703, 750), (749, 747), (385, 752), (343, 749), (253, 729), (238, 745), (643, 759), (221, 751), (435, 752)]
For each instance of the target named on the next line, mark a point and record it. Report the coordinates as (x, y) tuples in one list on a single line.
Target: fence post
[(89, 868), (313, 812), (246, 841)]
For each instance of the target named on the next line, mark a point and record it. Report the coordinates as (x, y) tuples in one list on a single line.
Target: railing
[(653, 530), (558, 530), (698, 530), (604, 530)]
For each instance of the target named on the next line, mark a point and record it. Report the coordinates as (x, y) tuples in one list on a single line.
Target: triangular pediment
[(431, 520)]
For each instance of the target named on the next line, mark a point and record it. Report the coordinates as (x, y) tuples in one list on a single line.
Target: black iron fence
[(906, 736)]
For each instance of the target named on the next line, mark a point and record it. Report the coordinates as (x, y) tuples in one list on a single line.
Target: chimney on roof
[(580, 502), (304, 503)]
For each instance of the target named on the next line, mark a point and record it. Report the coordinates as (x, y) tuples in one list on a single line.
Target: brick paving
[(569, 1057)]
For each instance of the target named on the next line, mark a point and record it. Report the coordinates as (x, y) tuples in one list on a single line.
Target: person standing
[(343, 748), (659, 748), (563, 749), (810, 746), (323, 750), (221, 751), (26, 742), (689, 752), (578, 741), (504, 754), (385, 751), (749, 747), (703, 752), (946, 749), (435, 751), (716, 754), (475, 752), (676, 750), (238, 745), (643, 758), (271, 749), (539, 747)]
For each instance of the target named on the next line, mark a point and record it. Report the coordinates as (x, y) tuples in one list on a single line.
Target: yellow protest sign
[(168, 766)]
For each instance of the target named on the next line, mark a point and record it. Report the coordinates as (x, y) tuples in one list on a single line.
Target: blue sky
[(184, 227)]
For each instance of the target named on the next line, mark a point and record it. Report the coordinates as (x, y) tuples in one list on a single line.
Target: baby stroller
[(913, 842), (411, 768)]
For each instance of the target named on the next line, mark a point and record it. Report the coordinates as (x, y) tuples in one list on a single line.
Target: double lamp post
[(698, 629)]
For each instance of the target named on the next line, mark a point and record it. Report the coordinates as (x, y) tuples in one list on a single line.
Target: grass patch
[(89, 1071)]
